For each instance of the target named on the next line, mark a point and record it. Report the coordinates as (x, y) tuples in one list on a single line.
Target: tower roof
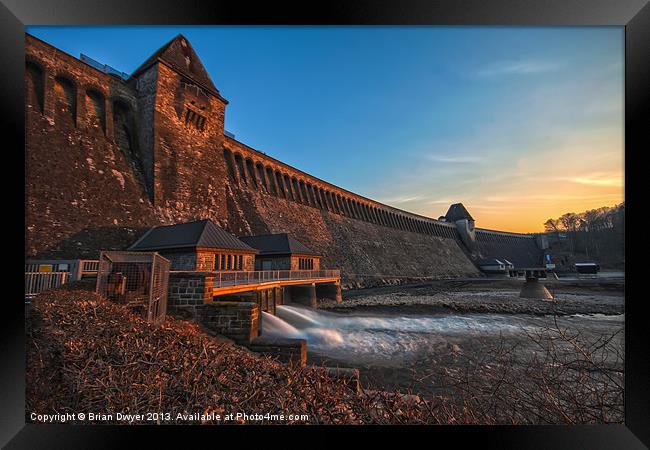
[(179, 55), (202, 233), (457, 211)]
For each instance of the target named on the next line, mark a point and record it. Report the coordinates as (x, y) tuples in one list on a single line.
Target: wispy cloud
[(403, 199), (512, 67), (456, 159), (442, 201), (598, 179)]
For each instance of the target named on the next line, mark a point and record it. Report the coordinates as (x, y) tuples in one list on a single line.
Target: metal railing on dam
[(243, 278)]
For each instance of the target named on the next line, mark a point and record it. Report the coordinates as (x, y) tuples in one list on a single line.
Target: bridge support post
[(286, 294), (304, 295), (329, 291)]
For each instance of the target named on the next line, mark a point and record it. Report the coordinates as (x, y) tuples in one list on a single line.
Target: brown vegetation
[(86, 354)]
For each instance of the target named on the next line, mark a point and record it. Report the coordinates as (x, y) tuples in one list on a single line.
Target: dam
[(110, 155)]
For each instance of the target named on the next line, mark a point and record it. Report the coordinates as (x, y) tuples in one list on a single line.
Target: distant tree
[(598, 232), (551, 225)]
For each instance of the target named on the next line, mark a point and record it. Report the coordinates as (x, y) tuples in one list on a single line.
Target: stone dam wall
[(106, 158)]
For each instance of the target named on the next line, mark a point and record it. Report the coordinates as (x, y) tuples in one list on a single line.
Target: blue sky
[(519, 124)]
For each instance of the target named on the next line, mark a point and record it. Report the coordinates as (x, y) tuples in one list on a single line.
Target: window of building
[(194, 119)]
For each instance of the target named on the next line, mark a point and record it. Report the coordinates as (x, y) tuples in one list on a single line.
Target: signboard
[(550, 266), (45, 268)]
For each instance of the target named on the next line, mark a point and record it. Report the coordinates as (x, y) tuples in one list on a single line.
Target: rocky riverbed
[(477, 339), (486, 296)]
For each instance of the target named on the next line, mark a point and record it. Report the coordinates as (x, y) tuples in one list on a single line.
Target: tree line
[(596, 233)]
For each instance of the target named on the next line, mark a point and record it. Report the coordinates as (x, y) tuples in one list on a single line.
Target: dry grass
[(86, 354)]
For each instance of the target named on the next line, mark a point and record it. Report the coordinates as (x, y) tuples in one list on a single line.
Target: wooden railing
[(242, 278), (36, 282)]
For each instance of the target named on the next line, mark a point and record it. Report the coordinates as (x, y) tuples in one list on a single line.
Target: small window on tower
[(194, 119)]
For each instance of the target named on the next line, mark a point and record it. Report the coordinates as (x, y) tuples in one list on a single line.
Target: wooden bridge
[(233, 282)]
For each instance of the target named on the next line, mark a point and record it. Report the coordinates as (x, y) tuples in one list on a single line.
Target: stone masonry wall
[(87, 190), (189, 291), (238, 321)]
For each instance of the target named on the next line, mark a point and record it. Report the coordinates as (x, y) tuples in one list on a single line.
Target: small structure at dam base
[(534, 289)]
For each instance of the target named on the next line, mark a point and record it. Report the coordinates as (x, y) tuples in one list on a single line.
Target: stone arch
[(35, 85), (271, 180), (227, 155), (260, 174), (303, 191), (348, 207), (65, 97), (96, 108), (124, 129), (280, 185), (337, 201), (341, 205), (330, 200), (310, 194), (296, 190), (239, 163), (357, 208), (287, 184), (319, 200), (251, 171)]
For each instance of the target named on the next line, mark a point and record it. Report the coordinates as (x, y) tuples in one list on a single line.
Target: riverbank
[(477, 342), (498, 296)]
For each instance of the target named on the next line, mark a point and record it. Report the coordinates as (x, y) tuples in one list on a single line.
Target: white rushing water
[(384, 338), (394, 339)]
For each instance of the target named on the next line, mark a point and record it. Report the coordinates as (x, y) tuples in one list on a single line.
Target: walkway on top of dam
[(232, 282)]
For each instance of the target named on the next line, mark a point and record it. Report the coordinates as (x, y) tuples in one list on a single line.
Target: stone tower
[(181, 113), (464, 222)]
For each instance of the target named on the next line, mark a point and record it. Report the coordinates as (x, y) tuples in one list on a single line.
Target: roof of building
[(457, 211), (202, 233), (179, 54), (277, 244)]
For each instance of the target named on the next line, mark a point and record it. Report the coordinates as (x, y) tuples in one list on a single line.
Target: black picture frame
[(634, 15)]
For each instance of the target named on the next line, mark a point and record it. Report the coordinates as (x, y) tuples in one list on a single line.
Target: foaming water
[(383, 339), (276, 326)]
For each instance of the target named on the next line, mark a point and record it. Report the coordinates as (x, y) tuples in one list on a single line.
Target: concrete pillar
[(534, 289), (286, 294), (304, 295), (330, 291)]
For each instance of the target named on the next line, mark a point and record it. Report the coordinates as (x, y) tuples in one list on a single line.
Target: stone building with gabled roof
[(199, 245), (282, 252)]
